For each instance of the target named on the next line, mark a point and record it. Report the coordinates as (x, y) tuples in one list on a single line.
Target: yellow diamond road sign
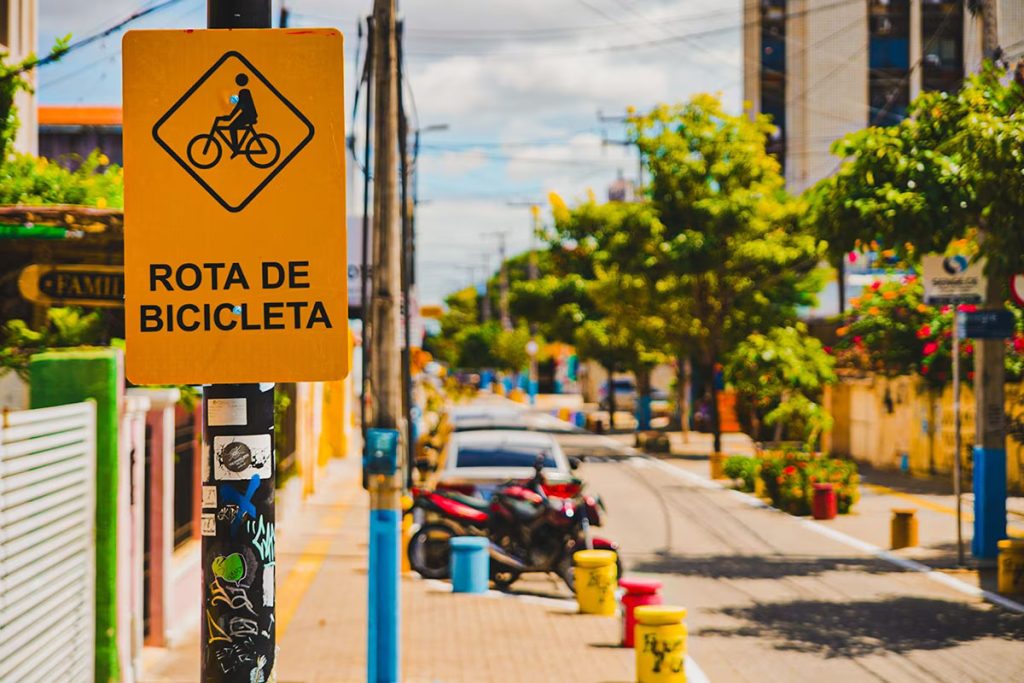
[(235, 157), (235, 264)]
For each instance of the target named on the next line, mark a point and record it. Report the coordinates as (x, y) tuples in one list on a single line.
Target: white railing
[(47, 550)]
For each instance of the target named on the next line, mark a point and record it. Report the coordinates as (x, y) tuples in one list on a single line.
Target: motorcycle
[(533, 526)]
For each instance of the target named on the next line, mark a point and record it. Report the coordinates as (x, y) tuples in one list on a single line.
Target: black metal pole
[(364, 298), (238, 642), (403, 156)]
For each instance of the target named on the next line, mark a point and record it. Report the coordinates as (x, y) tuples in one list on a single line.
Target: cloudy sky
[(519, 83)]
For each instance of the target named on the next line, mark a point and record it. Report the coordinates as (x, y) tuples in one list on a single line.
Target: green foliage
[(779, 377), (26, 179), (743, 469), (731, 258), (509, 349), (952, 165), (13, 81), (789, 478), (65, 327)]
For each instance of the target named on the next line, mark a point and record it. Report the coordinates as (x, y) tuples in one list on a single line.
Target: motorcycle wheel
[(429, 551)]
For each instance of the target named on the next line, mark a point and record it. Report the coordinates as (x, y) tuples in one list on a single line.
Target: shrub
[(744, 469), (789, 478)]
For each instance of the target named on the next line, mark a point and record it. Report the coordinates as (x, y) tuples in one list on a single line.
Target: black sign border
[(191, 91)]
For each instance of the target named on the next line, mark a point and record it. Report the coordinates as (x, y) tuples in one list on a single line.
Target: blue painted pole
[(643, 413), (989, 501), (382, 654)]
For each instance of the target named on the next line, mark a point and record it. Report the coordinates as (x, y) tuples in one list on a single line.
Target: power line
[(88, 40)]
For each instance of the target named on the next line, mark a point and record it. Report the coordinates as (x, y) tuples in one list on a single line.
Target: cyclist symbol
[(237, 131)]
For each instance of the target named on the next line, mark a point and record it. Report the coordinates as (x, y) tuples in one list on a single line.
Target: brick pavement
[(446, 638)]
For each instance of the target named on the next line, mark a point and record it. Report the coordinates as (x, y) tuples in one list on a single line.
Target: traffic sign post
[(235, 264), (235, 274), (954, 281)]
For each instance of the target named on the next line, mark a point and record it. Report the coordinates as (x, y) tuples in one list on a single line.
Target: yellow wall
[(878, 419)]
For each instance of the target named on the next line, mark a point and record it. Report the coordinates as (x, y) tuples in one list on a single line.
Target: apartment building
[(825, 68), (18, 39)]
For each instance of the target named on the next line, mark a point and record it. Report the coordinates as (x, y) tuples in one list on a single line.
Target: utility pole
[(990, 377), (535, 226), (233, 574), (364, 268), (503, 284), (407, 256), (385, 483), (625, 143)]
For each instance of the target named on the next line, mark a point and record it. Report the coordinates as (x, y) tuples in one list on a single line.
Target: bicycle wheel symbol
[(204, 151), (262, 150)]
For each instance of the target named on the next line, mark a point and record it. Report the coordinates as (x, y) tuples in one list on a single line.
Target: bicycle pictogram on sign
[(247, 131)]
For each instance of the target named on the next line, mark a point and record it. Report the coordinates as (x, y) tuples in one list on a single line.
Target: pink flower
[(930, 348), (876, 284), (924, 332), (858, 340), (907, 279), (1018, 344), (852, 256)]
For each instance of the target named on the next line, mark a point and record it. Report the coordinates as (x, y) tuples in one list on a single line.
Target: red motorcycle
[(533, 526)]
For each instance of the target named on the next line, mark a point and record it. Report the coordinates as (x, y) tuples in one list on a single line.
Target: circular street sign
[(1017, 288)]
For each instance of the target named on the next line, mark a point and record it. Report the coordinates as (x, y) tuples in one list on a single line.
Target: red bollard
[(824, 505), (638, 592)]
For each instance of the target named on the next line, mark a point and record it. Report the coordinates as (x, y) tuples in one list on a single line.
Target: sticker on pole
[(235, 238)]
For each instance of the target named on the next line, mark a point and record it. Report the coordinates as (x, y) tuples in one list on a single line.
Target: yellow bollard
[(564, 414), (718, 465), (595, 579), (903, 528), (660, 644), (1011, 566), (406, 533)]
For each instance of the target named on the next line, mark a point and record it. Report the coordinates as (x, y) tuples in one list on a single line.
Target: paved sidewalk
[(446, 638)]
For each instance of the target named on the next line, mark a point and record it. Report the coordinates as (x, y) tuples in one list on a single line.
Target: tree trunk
[(643, 399), (684, 378), (611, 396), (716, 419)]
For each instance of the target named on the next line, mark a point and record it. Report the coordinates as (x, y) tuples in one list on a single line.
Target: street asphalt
[(776, 598)]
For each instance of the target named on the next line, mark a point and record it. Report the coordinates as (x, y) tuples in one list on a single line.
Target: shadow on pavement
[(756, 566), (856, 629)]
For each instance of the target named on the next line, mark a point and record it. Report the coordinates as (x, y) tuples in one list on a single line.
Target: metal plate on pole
[(987, 324), (235, 265), (953, 280)]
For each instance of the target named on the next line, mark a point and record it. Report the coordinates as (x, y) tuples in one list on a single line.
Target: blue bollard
[(382, 662), (989, 502), (579, 418), (471, 564)]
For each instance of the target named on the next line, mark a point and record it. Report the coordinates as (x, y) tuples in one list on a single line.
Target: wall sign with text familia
[(235, 264)]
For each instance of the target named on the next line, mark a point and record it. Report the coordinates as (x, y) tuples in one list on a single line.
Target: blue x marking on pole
[(244, 501)]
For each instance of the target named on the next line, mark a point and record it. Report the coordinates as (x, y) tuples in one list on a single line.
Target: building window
[(888, 60), (773, 73), (5, 23), (942, 45)]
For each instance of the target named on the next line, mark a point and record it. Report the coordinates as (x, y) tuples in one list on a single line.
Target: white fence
[(47, 592)]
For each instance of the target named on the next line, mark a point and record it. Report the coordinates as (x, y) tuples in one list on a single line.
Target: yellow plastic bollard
[(903, 529), (406, 532), (1011, 566), (564, 414), (718, 465), (595, 579), (660, 644)]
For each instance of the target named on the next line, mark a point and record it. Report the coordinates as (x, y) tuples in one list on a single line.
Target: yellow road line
[(929, 504), (300, 578)]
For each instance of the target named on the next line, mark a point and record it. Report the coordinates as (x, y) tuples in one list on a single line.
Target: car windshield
[(504, 456)]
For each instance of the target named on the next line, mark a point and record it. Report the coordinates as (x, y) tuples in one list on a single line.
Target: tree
[(779, 377), (732, 258), (606, 304)]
